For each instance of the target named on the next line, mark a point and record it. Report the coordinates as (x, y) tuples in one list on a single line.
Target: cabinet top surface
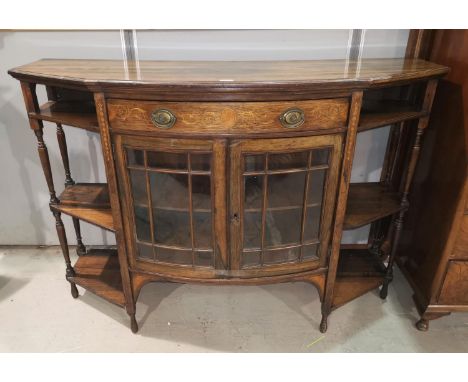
[(228, 74)]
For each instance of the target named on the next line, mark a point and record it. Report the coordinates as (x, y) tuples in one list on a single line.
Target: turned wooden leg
[(70, 272), (62, 142), (80, 249), (133, 323), (324, 322)]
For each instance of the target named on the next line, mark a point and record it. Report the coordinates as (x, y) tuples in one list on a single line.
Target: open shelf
[(359, 271), (71, 113), (88, 202), (386, 112), (99, 273), (368, 202)]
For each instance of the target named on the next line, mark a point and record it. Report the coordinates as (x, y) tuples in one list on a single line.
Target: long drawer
[(227, 117)]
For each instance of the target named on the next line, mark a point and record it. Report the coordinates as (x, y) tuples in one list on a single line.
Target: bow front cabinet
[(232, 172)]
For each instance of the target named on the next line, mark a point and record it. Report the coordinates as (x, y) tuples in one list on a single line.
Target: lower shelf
[(99, 273), (359, 271)]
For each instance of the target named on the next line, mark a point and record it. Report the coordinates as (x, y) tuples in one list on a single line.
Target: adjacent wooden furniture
[(434, 247), (232, 172)]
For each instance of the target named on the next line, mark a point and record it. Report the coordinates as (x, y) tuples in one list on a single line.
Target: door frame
[(240, 147), (217, 147)]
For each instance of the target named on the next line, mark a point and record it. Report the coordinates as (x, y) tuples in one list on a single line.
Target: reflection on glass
[(320, 157), (310, 252), (286, 224), (202, 230), (253, 192), (250, 259), (252, 229), (286, 190), (135, 157), (281, 255), (283, 227), (312, 223), (145, 251), (138, 182), (169, 190), (316, 186), (142, 223), (172, 228), (200, 162), (174, 256), (204, 259), (288, 160), (166, 160), (181, 228), (254, 163), (201, 192)]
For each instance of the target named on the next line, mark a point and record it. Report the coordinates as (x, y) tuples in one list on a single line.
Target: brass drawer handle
[(292, 118), (162, 118)]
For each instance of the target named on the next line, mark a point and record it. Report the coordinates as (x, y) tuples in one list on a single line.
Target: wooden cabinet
[(243, 182), (434, 249)]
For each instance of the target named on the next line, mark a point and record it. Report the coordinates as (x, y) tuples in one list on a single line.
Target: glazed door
[(171, 187), (282, 195)]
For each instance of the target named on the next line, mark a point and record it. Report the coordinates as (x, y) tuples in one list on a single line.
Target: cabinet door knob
[(292, 118), (162, 118)]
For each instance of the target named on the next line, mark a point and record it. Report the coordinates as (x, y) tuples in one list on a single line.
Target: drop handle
[(163, 118), (292, 118)]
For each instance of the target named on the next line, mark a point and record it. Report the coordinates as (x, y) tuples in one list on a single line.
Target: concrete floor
[(38, 314)]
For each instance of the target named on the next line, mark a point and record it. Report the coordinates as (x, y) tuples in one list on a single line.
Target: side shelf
[(88, 202), (77, 114), (368, 202), (99, 272)]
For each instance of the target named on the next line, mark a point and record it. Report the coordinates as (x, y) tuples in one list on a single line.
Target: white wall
[(25, 217)]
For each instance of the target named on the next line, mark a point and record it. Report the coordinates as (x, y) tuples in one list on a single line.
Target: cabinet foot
[(324, 324), (74, 290), (133, 324), (422, 325), (384, 291)]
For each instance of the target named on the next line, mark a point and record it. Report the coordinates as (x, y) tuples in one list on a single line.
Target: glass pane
[(253, 192), (142, 223), (167, 160), (286, 190), (283, 227), (200, 162), (174, 256), (312, 223), (320, 157), (281, 255), (169, 190), (252, 229), (254, 162), (288, 160), (172, 228), (202, 230), (204, 259), (310, 252), (250, 259), (201, 192), (145, 251), (316, 185), (135, 157), (138, 183)]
